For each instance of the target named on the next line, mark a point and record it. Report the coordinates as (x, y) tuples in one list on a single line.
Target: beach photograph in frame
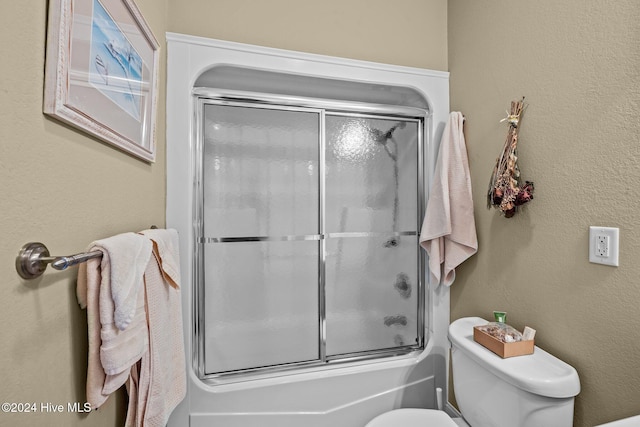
[(101, 72)]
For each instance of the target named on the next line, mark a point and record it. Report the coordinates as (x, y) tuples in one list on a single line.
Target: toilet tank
[(525, 391)]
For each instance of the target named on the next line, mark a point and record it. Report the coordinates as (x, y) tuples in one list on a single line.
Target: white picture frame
[(101, 72)]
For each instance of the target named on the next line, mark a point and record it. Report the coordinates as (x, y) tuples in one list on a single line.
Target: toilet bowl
[(525, 391)]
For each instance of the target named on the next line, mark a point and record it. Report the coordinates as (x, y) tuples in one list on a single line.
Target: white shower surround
[(344, 395)]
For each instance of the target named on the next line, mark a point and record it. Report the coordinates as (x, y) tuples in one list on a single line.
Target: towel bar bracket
[(33, 258), (30, 262)]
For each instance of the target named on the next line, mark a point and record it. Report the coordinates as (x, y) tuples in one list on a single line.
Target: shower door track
[(323, 107), (222, 96)]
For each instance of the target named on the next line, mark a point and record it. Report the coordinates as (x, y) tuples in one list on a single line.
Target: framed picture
[(101, 72)]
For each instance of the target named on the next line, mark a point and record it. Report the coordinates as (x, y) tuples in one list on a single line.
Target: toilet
[(524, 391)]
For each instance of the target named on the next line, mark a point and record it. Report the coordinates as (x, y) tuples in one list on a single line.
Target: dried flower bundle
[(505, 192)]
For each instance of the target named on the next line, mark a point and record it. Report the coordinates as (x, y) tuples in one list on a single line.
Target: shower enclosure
[(307, 240), (297, 184)]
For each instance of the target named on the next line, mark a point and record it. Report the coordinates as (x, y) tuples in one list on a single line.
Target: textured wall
[(577, 62), (403, 32), (65, 189)]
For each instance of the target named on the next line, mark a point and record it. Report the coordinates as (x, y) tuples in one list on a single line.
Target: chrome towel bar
[(33, 258)]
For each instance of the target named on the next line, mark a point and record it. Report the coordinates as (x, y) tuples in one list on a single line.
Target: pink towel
[(125, 257), (448, 231), (148, 354), (162, 380), (111, 289)]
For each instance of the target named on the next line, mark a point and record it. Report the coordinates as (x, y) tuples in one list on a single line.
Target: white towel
[(448, 231)]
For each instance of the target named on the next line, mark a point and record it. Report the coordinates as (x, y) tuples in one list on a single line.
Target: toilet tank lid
[(540, 373)]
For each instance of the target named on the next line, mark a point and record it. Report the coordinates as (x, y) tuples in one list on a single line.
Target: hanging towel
[(125, 257), (448, 231), (165, 247), (161, 383), (111, 289), (148, 354)]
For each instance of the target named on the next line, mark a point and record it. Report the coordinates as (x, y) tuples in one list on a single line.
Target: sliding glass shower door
[(260, 216), (306, 231), (371, 260)]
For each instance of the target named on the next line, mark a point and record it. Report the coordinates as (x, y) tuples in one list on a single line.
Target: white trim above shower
[(348, 394)]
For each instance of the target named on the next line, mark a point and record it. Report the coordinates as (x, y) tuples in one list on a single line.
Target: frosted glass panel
[(371, 294), (371, 175), (371, 189), (261, 304), (260, 172)]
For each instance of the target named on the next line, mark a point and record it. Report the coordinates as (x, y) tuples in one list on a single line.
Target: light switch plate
[(604, 245)]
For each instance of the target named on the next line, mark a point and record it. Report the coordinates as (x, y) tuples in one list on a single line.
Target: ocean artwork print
[(115, 66)]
